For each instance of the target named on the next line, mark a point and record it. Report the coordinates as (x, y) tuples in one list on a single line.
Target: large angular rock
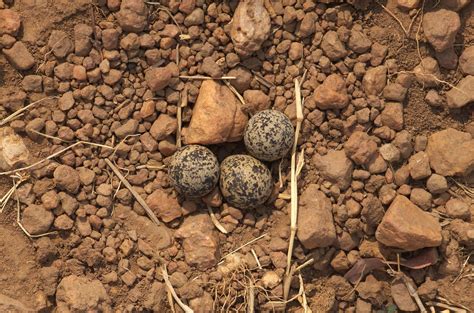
[(335, 167), (250, 26), (36, 219), (360, 148), (315, 221), (440, 28), (462, 94), (374, 80), (80, 294), (9, 22), (217, 116), (333, 48), (13, 151), (157, 236), (11, 305), (392, 115), (200, 241), (466, 61), (405, 226), (19, 56), (133, 15), (451, 152), (164, 205), (332, 93)]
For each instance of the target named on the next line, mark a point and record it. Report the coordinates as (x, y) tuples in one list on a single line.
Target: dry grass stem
[(170, 301), (294, 185), (469, 191), (165, 9), (183, 103), (287, 279), (215, 221), (42, 160), (284, 196), (395, 17), (446, 306), (183, 306), (452, 303), (461, 272), (20, 111), (256, 258), (18, 178), (140, 200), (151, 167), (302, 299), (413, 293), (244, 245), (236, 93), (45, 58), (251, 298), (262, 80), (201, 77)]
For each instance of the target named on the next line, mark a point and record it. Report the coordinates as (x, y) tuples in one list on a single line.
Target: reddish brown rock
[(440, 28), (427, 72), (466, 61), (250, 26), (133, 15), (419, 165), (36, 219), (164, 205), (335, 167), (332, 93), (217, 116), (19, 56), (158, 78), (463, 94), (360, 148), (451, 152), (9, 22), (332, 46), (392, 115), (200, 241), (67, 178), (255, 101), (80, 294), (315, 221), (374, 80), (163, 126), (407, 227)]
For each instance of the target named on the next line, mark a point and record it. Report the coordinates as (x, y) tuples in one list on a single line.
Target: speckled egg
[(245, 181), (269, 135), (194, 171)]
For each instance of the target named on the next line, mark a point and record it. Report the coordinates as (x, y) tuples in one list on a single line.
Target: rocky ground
[(112, 87)]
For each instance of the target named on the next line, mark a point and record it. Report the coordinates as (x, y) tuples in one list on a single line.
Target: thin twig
[(183, 306), (395, 17), (201, 77), (236, 93), (244, 245), (215, 221), (137, 196), (182, 104), (18, 112), (413, 293), (256, 258), (462, 269), (294, 185)]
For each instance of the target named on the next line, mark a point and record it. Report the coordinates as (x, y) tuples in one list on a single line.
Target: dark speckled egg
[(245, 181), (269, 135), (194, 171)]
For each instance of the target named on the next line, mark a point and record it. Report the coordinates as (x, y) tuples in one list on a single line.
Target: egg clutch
[(244, 180)]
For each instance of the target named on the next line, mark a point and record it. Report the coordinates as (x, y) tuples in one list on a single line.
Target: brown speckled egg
[(245, 181), (269, 135), (194, 171)]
